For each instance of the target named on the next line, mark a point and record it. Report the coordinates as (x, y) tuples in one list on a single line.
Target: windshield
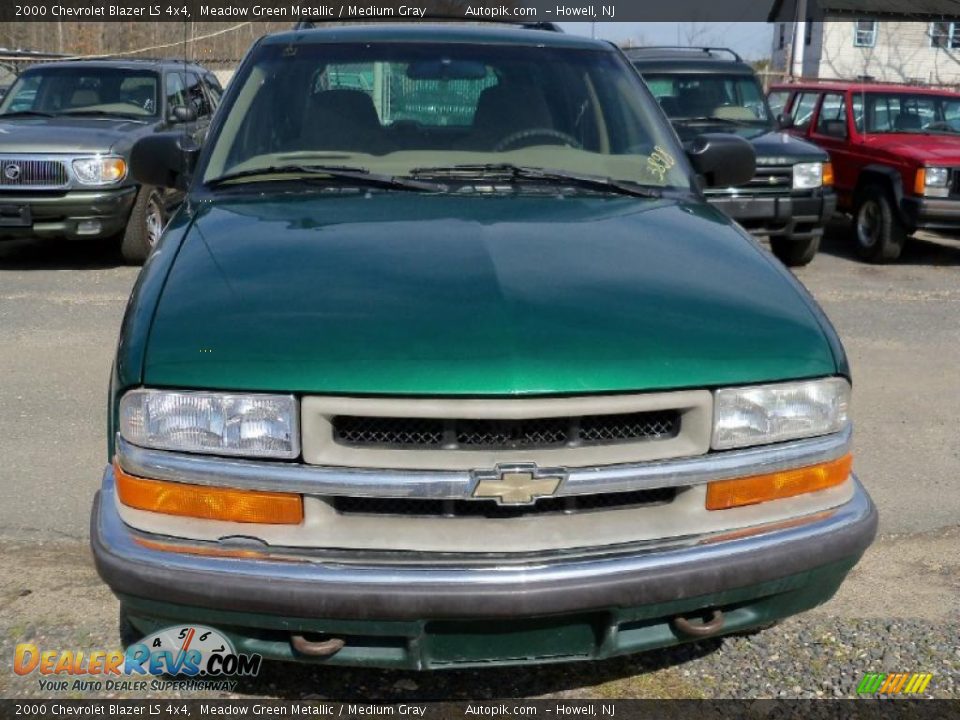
[(734, 100), (395, 108), (83, 90), (907, 113)]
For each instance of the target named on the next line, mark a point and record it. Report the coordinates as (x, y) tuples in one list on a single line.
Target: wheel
[(795, 253), (146, 223), (879, 233)]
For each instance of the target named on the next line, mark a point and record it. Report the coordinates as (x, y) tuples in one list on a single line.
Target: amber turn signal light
[(208, 503), (726, 494), (827, 174), (920, 182)]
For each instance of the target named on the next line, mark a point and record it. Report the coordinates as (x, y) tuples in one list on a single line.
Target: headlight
[(215, 423), (933, 181), (99, 170), (775, 413), (807, 176)]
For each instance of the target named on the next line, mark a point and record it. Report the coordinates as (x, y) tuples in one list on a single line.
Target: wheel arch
[(888, 178)]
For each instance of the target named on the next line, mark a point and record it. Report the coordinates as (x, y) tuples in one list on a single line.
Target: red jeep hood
[(925, 149)]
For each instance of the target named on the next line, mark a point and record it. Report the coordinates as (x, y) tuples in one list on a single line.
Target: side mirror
[(784, 121), (722, 160), (182, 114), (164, 160), (835, 128)]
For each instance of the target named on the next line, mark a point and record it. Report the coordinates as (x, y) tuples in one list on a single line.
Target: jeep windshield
[(463, 112), (907, 113), (732, 102), (83, 90)]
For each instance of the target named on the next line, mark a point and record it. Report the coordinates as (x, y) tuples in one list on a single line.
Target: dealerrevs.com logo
[(178, 657)]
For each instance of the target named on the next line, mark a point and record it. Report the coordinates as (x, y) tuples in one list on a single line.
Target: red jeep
[(896, 166)]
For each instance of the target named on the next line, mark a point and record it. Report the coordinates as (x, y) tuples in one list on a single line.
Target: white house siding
[(902, 54)]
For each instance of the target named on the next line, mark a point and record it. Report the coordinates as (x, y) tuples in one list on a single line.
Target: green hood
[(400, 293)]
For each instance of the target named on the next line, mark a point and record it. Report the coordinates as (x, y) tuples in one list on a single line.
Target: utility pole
[(799, 38)]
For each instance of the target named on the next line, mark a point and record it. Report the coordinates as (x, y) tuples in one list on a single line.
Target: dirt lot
[(60, 308)]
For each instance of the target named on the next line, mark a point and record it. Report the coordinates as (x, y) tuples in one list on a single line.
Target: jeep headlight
[(933, 181), (99, 170), (214, 423), (765, 414), (807, 176)]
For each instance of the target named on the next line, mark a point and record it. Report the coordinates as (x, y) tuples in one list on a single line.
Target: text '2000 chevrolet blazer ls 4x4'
[(445, 361)]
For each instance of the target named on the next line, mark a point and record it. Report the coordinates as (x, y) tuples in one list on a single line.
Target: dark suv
[(66, 129), (712, 89)]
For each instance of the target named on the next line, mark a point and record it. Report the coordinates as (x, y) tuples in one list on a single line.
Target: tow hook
[(695, 628), (322, 648)]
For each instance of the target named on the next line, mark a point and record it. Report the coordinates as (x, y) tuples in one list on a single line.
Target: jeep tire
[(144, 227), (795, 252), (878, 230)]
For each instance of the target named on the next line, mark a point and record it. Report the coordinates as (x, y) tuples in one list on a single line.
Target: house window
[(865, 33), (945, 35)]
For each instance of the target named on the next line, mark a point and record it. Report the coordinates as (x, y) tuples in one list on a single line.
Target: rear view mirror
[(722, 160), (446, 69), (164, 160)]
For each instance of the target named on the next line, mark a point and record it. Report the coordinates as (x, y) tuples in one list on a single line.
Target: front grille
[(16, 172), (770, 179), (467, 434), (490, 509)]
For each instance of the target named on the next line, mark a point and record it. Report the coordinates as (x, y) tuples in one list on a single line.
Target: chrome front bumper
[(318, 584)]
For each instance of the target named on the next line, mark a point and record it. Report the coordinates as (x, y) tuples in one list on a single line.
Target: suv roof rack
[(308, 22), (690, 48)]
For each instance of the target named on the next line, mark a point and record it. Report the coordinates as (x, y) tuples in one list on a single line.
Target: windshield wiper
[(507, 172), (26, 113), (359, 176)]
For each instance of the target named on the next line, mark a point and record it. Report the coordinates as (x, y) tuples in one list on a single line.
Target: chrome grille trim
[(35, 172), (325, 481)]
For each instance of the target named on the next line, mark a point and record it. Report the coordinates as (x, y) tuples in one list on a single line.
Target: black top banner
[(525, 11)]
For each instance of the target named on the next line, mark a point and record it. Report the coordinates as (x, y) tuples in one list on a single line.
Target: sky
[(750, 39)]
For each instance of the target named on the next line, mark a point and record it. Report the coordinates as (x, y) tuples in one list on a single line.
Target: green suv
[(445, 361)]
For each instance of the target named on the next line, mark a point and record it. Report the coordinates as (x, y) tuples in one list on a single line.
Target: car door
[(831, 131)]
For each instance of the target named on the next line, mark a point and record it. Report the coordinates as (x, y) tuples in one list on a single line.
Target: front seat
[(343, 120), (506, 109)]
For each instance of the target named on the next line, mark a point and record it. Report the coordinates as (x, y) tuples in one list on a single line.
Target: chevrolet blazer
[(445, 361)]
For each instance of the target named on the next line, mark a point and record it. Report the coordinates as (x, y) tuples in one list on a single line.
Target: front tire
[(880, 234), (795, 253), (145, 226)]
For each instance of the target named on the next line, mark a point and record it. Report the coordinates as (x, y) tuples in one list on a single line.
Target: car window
[(777, 100), (832, 119), (802, 110), (197, 97), (425, 101), (214, 88), (84, 89), (726, 97), (176, 93), (905, 112), (391, 108)]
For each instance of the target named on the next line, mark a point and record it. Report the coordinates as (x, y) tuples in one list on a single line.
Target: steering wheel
[(519, 137)]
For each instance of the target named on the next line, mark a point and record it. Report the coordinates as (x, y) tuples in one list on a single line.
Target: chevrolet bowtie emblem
[(517, 484)]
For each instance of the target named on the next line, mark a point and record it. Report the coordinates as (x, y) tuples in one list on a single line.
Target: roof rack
[(309, 22), (691, 48)]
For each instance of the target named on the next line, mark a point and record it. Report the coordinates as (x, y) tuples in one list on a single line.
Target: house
[(910, 51)]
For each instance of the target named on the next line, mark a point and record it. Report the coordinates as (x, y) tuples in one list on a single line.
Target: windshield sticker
[(660, 161)]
